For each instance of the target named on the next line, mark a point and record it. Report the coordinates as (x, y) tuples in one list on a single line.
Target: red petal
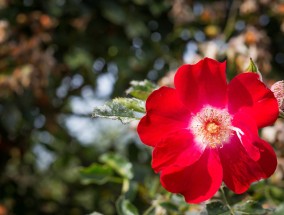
[(202, 83), (165, 113), (247, 125), (197, 182), (246, 90), (268, 159), (240, 170), (178, 149)]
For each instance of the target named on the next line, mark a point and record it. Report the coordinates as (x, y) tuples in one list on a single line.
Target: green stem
[(281, 114), (125, 185), (168, 195), (149, 210), (230, 24), (226, 201)]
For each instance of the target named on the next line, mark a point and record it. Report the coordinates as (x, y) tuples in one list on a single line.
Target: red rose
[(205, 131)]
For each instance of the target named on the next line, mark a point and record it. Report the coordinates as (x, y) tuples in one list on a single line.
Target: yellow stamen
[(211, 127)]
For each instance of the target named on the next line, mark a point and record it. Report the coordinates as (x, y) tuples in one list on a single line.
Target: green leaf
[(115, 110), (132, 104), (250, 207), (276, 192), (279, 210), (96, 173), (118, 163), (136, 28), (141, 89), (125, 207), (77, 58), (95, 213), (132, 189), (217, 207), (126, 109), (125, 185), (169, 206), (113, 12)]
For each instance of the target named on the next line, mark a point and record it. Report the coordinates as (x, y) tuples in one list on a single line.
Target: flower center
[(211, 127)]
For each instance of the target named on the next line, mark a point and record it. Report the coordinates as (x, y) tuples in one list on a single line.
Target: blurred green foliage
[(61, 58)]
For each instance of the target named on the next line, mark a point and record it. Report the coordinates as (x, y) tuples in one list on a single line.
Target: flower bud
[(278, 90), (253, 68)]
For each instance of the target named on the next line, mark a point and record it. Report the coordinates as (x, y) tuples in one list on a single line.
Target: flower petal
[(240, 170), (268, 159), (165, 113), (178, 149), (246, 90), (247, 125), (197, 182), (202, 83)]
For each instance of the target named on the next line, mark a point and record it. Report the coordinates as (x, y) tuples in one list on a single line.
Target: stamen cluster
[(211, 127)]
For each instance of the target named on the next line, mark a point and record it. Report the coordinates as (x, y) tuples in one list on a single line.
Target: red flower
[(205, 131)]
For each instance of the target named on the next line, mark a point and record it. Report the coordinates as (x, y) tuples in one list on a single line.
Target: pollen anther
[(211, 127)]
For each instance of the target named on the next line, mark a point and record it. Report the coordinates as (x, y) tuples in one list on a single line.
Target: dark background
[(61, 58)]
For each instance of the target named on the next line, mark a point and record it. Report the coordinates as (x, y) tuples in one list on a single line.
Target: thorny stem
[(226, 201)]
